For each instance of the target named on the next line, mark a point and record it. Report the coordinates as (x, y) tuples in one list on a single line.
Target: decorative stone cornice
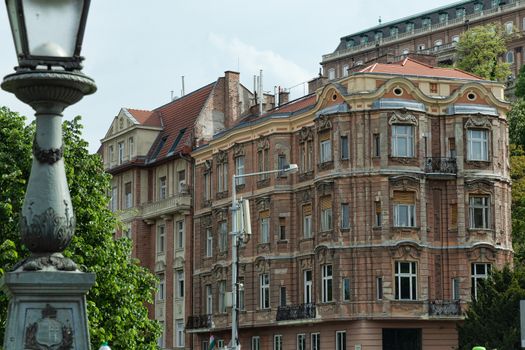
[(323, 123), (306, 134), (263, 143), (397, 118), (238, 149), (478, 122)]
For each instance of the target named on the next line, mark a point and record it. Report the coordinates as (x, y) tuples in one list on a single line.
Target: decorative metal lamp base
[(47, 310)]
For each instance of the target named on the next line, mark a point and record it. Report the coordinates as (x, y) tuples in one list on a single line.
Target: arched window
[(509, 57)]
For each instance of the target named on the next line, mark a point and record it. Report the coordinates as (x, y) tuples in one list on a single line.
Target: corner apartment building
[(400, 206), (148, 153), (434, 32)]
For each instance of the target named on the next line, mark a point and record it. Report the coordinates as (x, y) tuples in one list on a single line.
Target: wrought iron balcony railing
[(198, 321), (295, 312), (441, 165), (444, 308)]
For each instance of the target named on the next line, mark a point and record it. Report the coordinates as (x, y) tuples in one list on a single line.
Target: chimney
[(269, 102), (284, 97), (231, 97)]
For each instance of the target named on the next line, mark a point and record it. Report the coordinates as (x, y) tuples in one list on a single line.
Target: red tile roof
[(412, 67), (147, 118), (178, 118), (296, 105)]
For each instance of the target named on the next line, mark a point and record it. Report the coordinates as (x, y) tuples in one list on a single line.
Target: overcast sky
[(137, 51)]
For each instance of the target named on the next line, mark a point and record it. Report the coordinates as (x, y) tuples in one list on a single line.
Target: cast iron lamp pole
[(238, 237), (47, 292)]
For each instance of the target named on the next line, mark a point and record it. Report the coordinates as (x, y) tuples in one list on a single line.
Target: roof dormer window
[(426, 22), (460, 12), (394, 31), (443, 17)]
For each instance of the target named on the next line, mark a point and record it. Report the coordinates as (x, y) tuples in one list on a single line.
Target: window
[(479, 273), (222, 296), (307, 286), (306, 150), (477, 144), (239, 170), (326, 290), (209, 299), (340, 340), (263, 162), (179, 326), (278, 342), (325, 151), (377, 145), (315, 343), (364, 40), (120, 153), (350, 43), (179, 280), (207, 186), (438, 43), (326, 213), (282, 229), (344, 147), (281, 164), (162, 288), (331, 74), (378, 36), (379, 288), (433, 88), (377, 214), (220, 343), (160, 341), (509, 57), (307, 221), (110, 153), (406, 280), (301, 341), (264, 291), (402, 141), (455, 38), (479, 212), (460, 12), (264, 224), (421, 47), (404, 209), (426, 22), (180, 234), (405, 51), (443, 17), (223, 236), (114, 199), (209, 242), (455, 289), (181, 176), (256, 343), (345, 215), (161, 230), (409, 26), (346, 68), (131, 147), (394, 31), (346, 289), (494, 3), (129, 198), (222, 177), (162, 187), (282, 296), (204, 345), (509, 27), (478, 7)]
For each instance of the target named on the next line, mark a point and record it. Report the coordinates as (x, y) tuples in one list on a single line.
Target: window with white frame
[(478, 7), (120, 152), (161, 239), (421, 47), (345, 215), (209, 299), (209, 242), (460, 12), (222, 296), (402, 140), (204, 345), (346, 68), (455, 288), (345, 149), (455, 38), (404, 209), (301, 341), (306, 155), (478, 273), (163, 190), (223, 236), (179, 280), (264, 226), (315, 341), (179, 326), (340, 340), (220, 344), (509, 27), (443, 17), (128, 195), (509, 57), (181, 176), (264, 294), (307, 277), (327, 283), (180, 234), (278, 342), (256, 343), (326, 213), (479, 211), (307, 221), (131, 147), (325, 148), (114, 199), (162, 288), (263, 161), (207, 186), (409, 27), (494, 3), (345, 289), (331, 74), (239, 170), (477, 144), (111, 154), (222, 177), (406, 280)]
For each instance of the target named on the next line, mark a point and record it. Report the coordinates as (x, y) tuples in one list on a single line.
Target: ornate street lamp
[(47, 292)]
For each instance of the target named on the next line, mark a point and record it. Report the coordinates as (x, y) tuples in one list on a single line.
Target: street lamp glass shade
[(48, 32)]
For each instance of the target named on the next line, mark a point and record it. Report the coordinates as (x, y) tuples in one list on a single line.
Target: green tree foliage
[(116, 303), (479, 50), (516, 118), (493, 320), (517, 173), (520, 84)]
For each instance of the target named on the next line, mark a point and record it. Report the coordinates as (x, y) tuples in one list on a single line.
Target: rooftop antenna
[(261, 94), (379, 20), (171, 95), (182, 93)]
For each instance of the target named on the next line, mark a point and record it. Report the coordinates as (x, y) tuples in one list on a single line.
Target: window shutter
[(404, 197), (307, 209), (326, 202), (264, 214), (324, 136)]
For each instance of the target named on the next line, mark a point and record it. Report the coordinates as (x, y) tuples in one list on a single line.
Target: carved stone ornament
[(206, 221), (48, 333), (55, 261), (238, 149), (406, 250), (262, 203), (306, 263), (397, 118), (324, 255), (48, 231), (404, 183), (478, 122), (207, 165), (262, 264), (306, 134), (306, 196), (484, 252), (323, 123), (480, 186), (220, 214), (219, 272), (263, 143), (221, 157), (325, 188), (49, 156)]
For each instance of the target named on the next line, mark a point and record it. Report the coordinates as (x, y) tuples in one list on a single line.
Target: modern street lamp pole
[(47, 308), (238, 237)]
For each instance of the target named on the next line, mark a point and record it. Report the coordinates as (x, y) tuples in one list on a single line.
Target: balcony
[(178, 202), (296, 312), (444, 308), (199, 322), (436, 165)]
